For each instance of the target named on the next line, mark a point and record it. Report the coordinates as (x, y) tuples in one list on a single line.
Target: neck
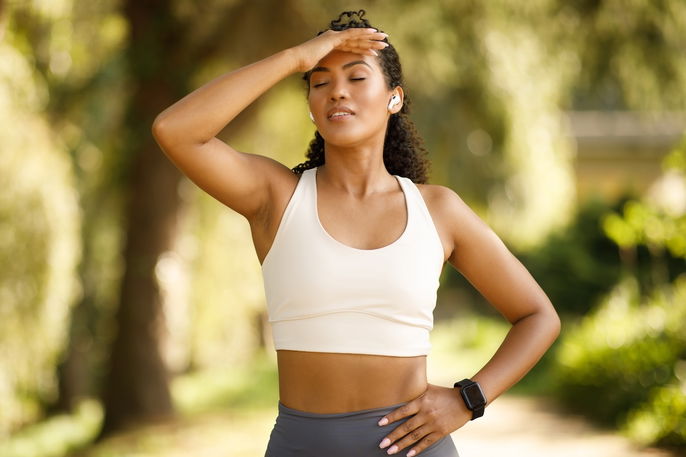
[(356, 172)]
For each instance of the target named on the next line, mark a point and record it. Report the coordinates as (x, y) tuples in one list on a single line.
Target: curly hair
[(403, 152)]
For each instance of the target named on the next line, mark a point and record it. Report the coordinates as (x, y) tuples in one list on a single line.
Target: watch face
[(474, 396)]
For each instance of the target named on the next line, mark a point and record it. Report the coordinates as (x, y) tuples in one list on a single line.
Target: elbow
[(547, 322), (171, 134), (554, 324), (551, 324), (157, 127), (161, 132)]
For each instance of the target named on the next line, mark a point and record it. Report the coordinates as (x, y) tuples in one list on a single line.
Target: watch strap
[(478, 409)]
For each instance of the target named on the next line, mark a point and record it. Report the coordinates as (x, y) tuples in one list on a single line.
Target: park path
[(530, 427)]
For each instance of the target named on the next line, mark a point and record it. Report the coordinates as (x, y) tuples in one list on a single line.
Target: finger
[(372, 37), (361, 35), (428, 440), (406, 428), (359, 30), (353, 43), (362, 46), (411, 438), (405, 410), (369, 44), (353, 33), (368, 52), (357, 50), (377, 36)]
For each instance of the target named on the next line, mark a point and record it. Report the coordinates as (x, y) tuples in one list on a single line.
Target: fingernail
[(393, 449), (411, 453), (384, 443), (383, 421)]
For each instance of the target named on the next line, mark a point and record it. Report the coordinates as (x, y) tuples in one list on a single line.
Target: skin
[(356, 196)]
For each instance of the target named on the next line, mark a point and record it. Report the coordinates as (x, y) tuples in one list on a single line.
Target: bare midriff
[(325, 382)]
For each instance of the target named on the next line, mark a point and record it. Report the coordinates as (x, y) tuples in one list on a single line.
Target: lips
[(339, 112)]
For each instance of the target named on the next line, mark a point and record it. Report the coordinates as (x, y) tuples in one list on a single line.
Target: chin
[(346, 137), (342, 139)]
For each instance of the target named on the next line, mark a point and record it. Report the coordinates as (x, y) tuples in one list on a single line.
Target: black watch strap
[(473, 397)]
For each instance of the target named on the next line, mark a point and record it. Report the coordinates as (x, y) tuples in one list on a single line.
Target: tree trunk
[(162, 56), (137, 388), (137, 385)]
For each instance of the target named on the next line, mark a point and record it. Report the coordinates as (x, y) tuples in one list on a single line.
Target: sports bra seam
[(326, 313)]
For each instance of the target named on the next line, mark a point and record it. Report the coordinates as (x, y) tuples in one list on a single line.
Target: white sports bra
[(325, 296)]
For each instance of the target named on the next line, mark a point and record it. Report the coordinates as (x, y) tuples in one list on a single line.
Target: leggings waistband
[(363, 413)]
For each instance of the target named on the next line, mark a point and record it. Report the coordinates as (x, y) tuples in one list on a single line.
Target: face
[(348, 98)]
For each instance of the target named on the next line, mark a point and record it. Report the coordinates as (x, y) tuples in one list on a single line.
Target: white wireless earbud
[(394, 101), (311, 116)]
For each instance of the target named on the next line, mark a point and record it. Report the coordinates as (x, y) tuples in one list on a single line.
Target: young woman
[(352, 243)]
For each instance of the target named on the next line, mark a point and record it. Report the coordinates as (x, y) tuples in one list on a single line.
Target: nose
[(339, 89)]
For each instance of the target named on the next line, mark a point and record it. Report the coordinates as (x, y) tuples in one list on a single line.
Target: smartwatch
[(473, 396)]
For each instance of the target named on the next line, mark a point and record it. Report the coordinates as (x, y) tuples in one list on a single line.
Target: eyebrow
[(349, 64)]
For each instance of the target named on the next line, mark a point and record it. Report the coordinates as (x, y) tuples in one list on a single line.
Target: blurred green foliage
[(662, 418), (39, 244), (660, 222), (243, 386), (56, 436), (646, 225), (615, 365), (579, 264), (624, 363), (461, 345), (576, 266)]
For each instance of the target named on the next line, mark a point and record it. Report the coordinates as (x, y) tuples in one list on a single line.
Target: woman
[(352, 243)]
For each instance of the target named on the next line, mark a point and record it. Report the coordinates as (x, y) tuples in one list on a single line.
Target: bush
[(578, 265), (662, 419), (623, 364)]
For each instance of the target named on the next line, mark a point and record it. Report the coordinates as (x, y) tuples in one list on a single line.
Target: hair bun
[(350, 19)]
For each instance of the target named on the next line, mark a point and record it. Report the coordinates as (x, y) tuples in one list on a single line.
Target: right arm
[(186, 131)]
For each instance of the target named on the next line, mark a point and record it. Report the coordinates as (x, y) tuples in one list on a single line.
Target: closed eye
[(352, 79)]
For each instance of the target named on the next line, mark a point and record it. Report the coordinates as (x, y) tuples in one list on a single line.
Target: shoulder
[(436, 193), (443, 202), (455, 220)]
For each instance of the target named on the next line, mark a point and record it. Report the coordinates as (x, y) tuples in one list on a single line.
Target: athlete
[(352, 242)]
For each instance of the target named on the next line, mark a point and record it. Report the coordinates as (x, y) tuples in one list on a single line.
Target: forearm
[(202, 114), (525, 343)]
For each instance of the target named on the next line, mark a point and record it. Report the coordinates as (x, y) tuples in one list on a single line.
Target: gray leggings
[(304, 434)]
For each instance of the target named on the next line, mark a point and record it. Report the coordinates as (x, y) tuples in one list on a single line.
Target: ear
[(398, 91)]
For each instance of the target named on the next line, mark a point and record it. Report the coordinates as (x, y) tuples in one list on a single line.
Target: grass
[(56, 436)]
